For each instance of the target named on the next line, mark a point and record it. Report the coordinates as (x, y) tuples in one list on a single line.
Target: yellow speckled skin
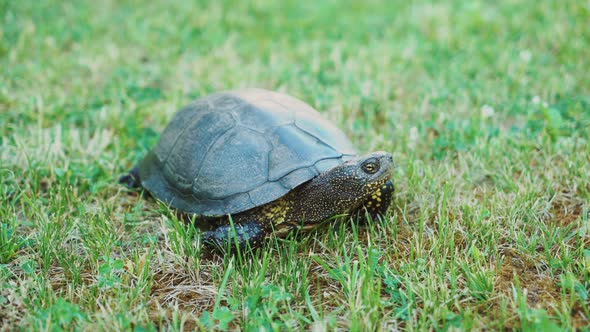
[(379, 202), (358, 185)]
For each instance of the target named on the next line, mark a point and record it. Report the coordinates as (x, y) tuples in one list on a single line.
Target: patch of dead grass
[(566, 207)]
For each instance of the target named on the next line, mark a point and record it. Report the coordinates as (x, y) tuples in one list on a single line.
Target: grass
[(485, 107)]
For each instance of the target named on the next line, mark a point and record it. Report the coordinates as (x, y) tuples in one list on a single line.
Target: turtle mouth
[(372, 188)]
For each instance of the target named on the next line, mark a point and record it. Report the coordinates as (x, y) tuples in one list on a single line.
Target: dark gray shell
[(233, 151)]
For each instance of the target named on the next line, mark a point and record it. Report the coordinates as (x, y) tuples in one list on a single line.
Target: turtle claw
[(131, 179)]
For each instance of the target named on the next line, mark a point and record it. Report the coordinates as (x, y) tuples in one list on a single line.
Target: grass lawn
[(485, 107)]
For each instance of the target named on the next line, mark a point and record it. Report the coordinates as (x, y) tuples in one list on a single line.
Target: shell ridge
[(177, 138), (225, 132), (308, 166), (319, 140)]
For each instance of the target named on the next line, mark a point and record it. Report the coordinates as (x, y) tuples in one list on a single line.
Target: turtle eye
[(370, 167)]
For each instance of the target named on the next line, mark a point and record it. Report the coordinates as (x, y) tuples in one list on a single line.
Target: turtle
[(249, 163)]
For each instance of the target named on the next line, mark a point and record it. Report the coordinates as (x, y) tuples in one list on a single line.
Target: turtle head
[(354, 181), (344, 188)]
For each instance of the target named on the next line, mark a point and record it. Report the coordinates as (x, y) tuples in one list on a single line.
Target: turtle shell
[(236, 150)]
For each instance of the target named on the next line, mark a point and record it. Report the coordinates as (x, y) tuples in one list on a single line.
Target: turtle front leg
[(376, 206), (245, 235)]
